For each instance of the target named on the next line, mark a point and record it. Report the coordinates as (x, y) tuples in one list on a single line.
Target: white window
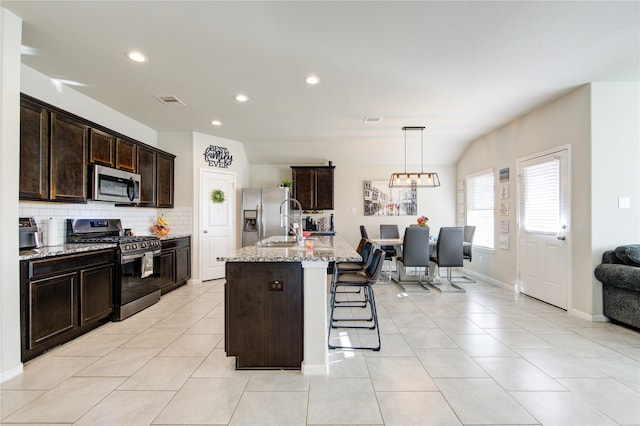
[(541, 197), (480, 204)]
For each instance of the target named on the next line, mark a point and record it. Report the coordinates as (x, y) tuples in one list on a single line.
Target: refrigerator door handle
[(259, 208)]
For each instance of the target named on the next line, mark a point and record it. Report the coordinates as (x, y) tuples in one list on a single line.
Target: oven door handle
[(127, 257)]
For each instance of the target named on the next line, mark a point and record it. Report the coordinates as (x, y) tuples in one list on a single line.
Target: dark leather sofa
[(619, 273)]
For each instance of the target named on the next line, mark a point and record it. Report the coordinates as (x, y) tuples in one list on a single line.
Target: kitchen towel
[(147, 265)]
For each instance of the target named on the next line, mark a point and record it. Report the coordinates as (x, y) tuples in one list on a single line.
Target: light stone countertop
[(62, 249), (325, 249)]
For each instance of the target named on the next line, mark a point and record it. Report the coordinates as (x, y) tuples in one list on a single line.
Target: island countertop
[(325, 249)]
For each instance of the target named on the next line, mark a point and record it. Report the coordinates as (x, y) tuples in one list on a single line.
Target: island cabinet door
[(264, 314)]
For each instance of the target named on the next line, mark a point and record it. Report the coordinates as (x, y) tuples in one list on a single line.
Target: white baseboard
[(588, 317), (490, 280), (11, 373)]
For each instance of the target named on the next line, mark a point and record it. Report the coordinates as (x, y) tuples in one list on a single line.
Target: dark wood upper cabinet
[(56, 147), (313, 186), (34, 151), (102, 148), (68, 172), (164, 182), (147, 172), (126, 157)]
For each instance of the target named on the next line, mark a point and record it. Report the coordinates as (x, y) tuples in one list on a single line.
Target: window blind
[(480, 206), (541, 197)]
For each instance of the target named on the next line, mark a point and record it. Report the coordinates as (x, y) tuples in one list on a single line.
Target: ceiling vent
[(169, 100), (372, 119)]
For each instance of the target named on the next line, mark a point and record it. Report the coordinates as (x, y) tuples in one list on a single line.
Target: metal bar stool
[(363, 280)]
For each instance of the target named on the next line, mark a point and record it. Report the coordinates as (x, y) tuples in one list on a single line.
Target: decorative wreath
[(217, 196)]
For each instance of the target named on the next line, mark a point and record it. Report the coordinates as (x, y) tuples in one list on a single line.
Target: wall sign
[(218, 156)]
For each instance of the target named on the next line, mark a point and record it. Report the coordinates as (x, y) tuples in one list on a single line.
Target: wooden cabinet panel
[(68, 159), (96, 293), (63, 297), (303, 183), (52, 304), (175, 263), (102, 147), (183, 264), (313, 186), (126, 155), (34, 151), (164, 182), (264, 327), (324, 188), (147, 172)]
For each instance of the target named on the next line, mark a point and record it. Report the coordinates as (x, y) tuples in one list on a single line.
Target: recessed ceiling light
[(241, 98), (136, 56), (312, 80), (216, 123)]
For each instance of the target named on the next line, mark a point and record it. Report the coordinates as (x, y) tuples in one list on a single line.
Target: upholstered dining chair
[(415, 253), (467, 251), (448, 255), (362, 280), (389, 231)]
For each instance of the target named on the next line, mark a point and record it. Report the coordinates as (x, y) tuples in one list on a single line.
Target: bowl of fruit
[(161, 227)]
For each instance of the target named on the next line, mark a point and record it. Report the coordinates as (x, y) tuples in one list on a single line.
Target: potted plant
[(286, 183)]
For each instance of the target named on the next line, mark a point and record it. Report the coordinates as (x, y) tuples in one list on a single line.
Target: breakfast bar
[(276, 302)]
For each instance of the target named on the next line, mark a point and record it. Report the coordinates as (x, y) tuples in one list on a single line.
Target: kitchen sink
[(278, 243)]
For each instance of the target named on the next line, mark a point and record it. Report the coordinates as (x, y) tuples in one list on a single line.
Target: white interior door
[(544, 267), (217, 222)]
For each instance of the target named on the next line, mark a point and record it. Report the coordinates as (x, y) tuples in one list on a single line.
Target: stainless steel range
[(138, 271)]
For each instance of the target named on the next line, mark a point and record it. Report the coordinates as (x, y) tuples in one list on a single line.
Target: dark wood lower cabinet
[(175, 263), (63, 297), (264, 314)]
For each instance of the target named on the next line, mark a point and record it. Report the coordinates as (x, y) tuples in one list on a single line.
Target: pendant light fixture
[(419, 179)]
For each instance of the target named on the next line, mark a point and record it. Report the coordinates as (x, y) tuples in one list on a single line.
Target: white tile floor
[(485, 357)]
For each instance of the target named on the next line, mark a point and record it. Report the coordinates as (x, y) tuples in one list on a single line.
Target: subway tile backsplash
[(140, 220)]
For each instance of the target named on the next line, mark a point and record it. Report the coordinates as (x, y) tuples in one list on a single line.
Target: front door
[(544, 267), (217, 222)]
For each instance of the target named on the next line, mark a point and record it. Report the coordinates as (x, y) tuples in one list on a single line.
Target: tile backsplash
[(140, 220)]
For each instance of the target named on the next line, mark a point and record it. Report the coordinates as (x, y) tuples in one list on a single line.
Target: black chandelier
[(419, 179)]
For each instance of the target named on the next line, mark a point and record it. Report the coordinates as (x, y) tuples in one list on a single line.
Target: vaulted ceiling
[(460, 68)]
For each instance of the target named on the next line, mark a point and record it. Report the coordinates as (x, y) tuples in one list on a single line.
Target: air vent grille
[(169, 100), (372, 119)]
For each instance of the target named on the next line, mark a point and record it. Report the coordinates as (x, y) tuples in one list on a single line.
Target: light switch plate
[(624, 202)]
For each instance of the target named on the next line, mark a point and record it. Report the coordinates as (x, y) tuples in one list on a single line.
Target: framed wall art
[(380, 200)]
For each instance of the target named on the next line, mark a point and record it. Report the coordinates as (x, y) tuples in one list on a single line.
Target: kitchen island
[(276, 303)]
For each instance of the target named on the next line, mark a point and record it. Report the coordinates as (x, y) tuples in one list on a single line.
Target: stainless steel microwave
[(114, 185)]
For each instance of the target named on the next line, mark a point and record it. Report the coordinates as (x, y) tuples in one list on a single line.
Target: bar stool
[(362, 280)]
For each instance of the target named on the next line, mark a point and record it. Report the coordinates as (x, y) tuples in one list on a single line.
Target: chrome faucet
[(297, 230)]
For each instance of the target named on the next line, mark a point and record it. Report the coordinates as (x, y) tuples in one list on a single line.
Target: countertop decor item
[(217, 196), (419, 179), (286, 183)]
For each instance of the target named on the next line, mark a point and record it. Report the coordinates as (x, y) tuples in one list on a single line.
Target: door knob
[(205, 231), (561, 237)]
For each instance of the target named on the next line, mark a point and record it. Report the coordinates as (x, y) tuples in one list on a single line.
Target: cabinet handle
[(205, 231)]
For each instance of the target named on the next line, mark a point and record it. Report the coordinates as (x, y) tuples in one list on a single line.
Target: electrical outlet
[(276, 285)]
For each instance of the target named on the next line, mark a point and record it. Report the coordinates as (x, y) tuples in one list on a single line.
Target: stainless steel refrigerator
[(261, 214)]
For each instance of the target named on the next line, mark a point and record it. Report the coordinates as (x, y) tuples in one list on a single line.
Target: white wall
[(615, 171), (10, 40), (239, 165), (568, 121), (64, 97)]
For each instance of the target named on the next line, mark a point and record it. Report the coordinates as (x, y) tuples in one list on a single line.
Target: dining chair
[(448, 255), (365, 250), (415, 253), (467, 251), (362, 280), (363, 232), (389, 231)]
